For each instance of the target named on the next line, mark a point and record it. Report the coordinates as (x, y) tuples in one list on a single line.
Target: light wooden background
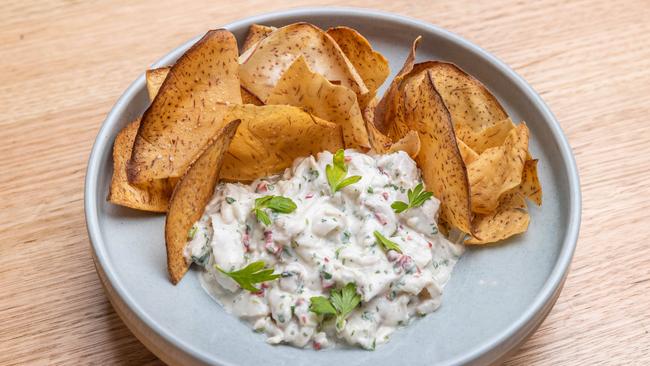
[(64, 63)]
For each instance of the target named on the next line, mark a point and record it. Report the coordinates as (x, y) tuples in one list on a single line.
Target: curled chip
[(264, 64), (491, 136), (410, 144), (379, 142), (439, 159), (530, 185), (509, 219), (470, 104), (256, 33), (271, 137), (371, 65), (497, 170), (384, 113), (155, 78), (188, 109), (301, 87), (151, 196), (190, 196), (466, 152)]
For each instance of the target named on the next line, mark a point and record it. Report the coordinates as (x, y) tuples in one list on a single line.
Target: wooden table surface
[(64, 63)]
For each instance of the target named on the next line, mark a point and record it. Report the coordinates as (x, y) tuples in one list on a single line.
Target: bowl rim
[(502, 340)]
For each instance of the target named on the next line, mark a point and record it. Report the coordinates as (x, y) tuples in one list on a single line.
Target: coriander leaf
[(274, 203), (250, 275), (337, 171), (417, 196), (321, 305), (399, 206), (387, 244)]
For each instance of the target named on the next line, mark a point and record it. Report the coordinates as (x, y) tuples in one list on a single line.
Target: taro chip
[(248, 98), (439, 159), (530, 185), (371, 65), (155, 78), (490, 136), (188, 109), (379, 142), (263, 66), (469, 102), (301, 87), (256, 33), (510, 218), (151, 196), (466, 152), (271, 137), (410, 144), (498, 170), (384, 113), (190, 197)]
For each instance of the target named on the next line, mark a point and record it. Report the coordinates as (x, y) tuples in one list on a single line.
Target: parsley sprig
[(337, 171), (417, 196), (274, 203), (386, 243), (250, 275), (340, 304)]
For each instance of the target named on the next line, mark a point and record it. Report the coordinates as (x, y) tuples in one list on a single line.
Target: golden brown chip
[(469, 102), (498, 170), (410, 144), (466, 152), (248, 98), (271, 137), (256, 33), (530, 185), (442, 166), (188, 109), (151, 196), (490, 136), (301, 87), (509, 219), (371, 65), (384, 113), (261, 69), (190, 196), (155, 78), (379, 142)]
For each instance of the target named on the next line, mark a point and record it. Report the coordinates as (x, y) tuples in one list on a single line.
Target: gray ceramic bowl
[(496, 298)]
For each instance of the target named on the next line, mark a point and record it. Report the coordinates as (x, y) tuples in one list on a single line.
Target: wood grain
[(64, 63)]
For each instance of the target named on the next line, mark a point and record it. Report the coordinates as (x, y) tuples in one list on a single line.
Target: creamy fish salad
[(339, 249)]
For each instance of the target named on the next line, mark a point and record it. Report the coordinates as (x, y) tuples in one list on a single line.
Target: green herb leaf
[(274, 203), (337, 171), (262, 216), (399, 206), (387, 244), (281, 204), (192, 232), (321, 305), (250, 275), (340, 304), (417, 196)]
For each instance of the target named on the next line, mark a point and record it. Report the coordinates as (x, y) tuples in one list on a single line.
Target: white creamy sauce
[(326, 243)]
